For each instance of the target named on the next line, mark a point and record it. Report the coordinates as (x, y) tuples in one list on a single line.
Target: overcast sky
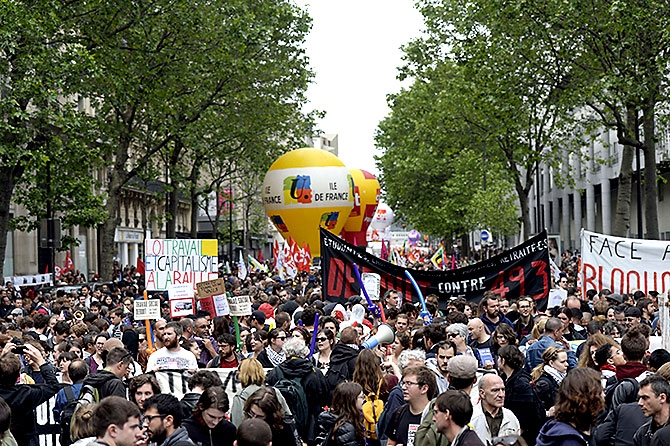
[(354, 50)]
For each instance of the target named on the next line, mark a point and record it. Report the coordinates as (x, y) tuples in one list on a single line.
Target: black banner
[(523, 270)]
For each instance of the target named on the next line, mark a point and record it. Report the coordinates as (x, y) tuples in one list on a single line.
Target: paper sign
[(556, 296), (239, 305), (372, 283), (207, 304), (182, 307), (179, 261), (147, 309), (180, 291), (210, 288), (221, 305)]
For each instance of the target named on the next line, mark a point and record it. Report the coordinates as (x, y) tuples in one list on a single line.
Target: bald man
[(490, 419)]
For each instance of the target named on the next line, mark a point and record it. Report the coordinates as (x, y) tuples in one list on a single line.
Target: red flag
[(69, 264), (141, 268), (260, 257), (57, 270), (307, 256)]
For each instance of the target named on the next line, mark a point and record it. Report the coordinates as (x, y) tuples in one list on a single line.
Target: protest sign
[(210, 288), (371, 282), (239, 305), (623, 265), (182, 291), (179, 261), (182, 307), (147, 309), (522, 270), (221, 305)]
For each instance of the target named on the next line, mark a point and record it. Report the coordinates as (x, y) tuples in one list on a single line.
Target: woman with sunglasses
[(458, 334), (325, 339), (208, 425), (263, 404), (273, 354), (342, 425)]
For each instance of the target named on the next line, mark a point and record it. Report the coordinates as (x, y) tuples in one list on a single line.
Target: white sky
[(354, 50)]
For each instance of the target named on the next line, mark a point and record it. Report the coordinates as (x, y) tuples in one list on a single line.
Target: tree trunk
[(650, 178), (8, 178), (525, 212), (193, 189), (621, 223), (108, 228)]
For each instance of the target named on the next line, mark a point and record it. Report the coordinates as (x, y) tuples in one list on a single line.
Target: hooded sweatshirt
[(557, 433), (178, 438), (107, 384)]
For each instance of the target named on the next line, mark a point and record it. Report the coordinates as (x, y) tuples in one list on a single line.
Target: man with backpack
[(343, 359), (66, 399), (303, 387), (108, 381)]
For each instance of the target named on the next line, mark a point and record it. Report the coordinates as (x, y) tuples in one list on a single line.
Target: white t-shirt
[(164, 359)]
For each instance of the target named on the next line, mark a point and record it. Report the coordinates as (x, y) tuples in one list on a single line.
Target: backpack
[(294, 394), (538, 406), (66, 416), (372, 410), (611, 388), (87, 395), (336, 374)]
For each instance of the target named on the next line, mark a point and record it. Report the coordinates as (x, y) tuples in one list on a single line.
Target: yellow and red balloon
[(307, 189), (366, 199)]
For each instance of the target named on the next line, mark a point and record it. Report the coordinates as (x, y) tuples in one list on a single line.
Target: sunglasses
[(322, 339), (452, 335)]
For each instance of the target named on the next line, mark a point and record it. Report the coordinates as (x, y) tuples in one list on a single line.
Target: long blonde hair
[(550, 354)]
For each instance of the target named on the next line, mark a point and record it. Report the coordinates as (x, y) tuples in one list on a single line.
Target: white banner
[(623, 265)]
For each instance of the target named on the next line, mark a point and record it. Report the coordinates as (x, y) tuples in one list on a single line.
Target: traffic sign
[(484, 235)]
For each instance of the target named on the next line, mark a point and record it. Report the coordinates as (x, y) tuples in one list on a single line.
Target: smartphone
[(19, 349)]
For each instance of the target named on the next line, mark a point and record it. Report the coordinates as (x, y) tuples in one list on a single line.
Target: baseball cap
[(462, 367), (258, 316), (632, 312)]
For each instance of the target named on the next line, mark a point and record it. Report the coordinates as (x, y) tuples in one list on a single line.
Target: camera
[(19, 349)]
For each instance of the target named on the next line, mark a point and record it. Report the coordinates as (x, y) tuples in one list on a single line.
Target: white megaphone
[(384, 335)]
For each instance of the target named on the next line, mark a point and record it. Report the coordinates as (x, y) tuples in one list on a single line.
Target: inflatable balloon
[(304, 190), (366, 198), (383, 217), (413, 237)]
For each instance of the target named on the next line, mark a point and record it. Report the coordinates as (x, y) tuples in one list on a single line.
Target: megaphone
[(384, 335)]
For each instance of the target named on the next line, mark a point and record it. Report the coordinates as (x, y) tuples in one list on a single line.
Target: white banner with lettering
[(623, 265)]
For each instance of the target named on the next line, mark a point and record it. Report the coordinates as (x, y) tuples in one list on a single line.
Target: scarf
[(555, 374), (609, 367), (630, 370), (274, 357)]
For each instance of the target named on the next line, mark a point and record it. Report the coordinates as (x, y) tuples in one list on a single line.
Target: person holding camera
[(24, 398)]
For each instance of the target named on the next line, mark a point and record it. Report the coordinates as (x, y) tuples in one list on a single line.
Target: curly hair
[(139, 381), (580, 399), (266, 400), (368, 371), (344, 406), (596, 340)]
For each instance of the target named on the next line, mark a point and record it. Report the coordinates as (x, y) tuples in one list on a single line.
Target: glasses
[(281, 337), (148, 418), (322, 339), (409, 383), (452, 335)]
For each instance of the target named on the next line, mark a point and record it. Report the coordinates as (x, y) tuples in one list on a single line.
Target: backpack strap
[(69, 394), (379, 387)]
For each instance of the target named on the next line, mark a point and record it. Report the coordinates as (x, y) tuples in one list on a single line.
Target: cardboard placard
[(182, 307), (147, 309), (210, 288), (239, 305)]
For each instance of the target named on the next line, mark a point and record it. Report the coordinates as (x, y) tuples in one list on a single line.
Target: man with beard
[(438, 365), (172, 356), (116, 422), (207, 344), (162, 420)]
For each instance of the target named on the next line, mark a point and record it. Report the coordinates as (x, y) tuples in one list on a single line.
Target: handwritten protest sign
[(179, 261), (182, 291), (239, 305), (210, 288), (372, 282), (624, 264), (147, 309)]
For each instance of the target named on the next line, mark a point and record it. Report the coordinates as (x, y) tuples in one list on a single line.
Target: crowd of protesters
[(498, 371)]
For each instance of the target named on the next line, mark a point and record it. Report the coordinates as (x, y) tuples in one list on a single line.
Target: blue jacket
[(502, 319), (557, 433), (534, 353)]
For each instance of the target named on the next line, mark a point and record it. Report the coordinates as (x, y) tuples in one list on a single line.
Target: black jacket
[(519, 398), (314, 385), (223, 433), (107, 384), (342, 365), (23, 399), (619, 426), (547, 389), (344, 436), (264, 359)]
